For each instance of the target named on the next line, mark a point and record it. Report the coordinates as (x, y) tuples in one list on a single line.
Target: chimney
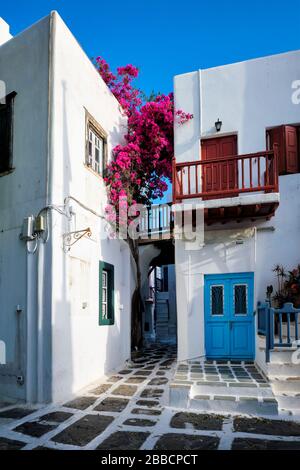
[(4, 32)]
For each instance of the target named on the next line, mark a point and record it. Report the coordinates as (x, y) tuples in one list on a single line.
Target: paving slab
[(145, 411), (266, 426), (139, 422), (149, 403), (115, 405), (152, 392), (80, 403), (10, 444), (186, 442), (56, 416), (84, 430), (125, 390), (263, 444), (34, 428), (16, 413), (124, 440), (100, 389), (205, 422)]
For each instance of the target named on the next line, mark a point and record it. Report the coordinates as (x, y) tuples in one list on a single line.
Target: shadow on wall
[(62, 325)]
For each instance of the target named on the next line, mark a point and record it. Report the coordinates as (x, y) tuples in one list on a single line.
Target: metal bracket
[(70, 238)]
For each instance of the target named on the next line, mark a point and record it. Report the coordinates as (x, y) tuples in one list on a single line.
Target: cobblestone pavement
[(130, 411)]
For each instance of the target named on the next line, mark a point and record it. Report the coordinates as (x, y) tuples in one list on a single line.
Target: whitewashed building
[(64, 306), (227, 161)]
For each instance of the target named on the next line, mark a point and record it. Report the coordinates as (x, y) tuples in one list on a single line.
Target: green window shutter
[(106, 294)]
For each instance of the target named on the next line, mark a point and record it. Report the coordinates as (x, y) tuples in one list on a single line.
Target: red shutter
[(291, 149), (277, 136)]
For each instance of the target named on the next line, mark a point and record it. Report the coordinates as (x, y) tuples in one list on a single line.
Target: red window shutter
[(291, 149), (277, 136)]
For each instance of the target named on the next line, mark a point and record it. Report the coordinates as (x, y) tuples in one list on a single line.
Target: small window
[(6, 133), (217, 300), (288, 140), (106, 294), (240, 299), (96, 146)]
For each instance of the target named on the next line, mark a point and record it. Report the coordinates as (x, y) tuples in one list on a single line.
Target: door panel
[(286, 137), (229, 322), (276, 136), (219, 176), (291, 140), (217, 339)]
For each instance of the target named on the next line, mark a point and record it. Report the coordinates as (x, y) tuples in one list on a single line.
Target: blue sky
[(168, 37)]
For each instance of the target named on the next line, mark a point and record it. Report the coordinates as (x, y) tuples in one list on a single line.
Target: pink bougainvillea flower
[(141, 167)]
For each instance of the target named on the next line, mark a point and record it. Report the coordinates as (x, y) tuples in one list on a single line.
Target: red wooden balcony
[(229, 177)]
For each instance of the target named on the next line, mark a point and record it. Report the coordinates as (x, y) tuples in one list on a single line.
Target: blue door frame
[(229, 316)]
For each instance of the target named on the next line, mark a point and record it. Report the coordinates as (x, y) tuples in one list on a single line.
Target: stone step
[(246, 405), (285, 370), (248, 400), (162, 321), (285, 384), (162, 327), (231, 391), (281, 355), (289, 402), (162, 316)]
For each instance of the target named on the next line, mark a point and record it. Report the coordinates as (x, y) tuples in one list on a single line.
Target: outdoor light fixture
[(218, 125)]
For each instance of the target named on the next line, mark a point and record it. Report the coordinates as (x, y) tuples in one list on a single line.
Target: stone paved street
[(130, 411)]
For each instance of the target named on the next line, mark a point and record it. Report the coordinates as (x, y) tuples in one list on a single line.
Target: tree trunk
[(136, 300)]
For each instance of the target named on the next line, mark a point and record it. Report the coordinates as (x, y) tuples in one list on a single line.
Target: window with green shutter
[(106, 294)]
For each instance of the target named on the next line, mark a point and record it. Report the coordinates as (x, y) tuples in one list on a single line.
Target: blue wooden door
[(229, 321)]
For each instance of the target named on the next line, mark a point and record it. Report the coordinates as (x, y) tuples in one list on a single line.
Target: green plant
[(288, 286)]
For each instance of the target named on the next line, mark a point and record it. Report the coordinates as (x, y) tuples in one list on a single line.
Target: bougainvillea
[(141, 167)]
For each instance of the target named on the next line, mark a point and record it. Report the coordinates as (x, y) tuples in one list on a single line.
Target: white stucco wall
[(248, 98), (23, 69), (82, 350), (4, 32), (63, 348)]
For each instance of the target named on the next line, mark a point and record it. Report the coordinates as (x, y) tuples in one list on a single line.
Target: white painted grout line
[(226, 439)]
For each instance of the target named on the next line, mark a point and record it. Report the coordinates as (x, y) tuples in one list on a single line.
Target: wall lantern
[(218, 125)]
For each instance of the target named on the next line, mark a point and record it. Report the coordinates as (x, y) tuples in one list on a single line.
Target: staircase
[(162, 319), (222, 388), (284, 376)]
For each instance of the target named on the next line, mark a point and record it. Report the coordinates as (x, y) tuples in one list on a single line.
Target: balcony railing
[(279, 326), (156, 221), (225, 177)]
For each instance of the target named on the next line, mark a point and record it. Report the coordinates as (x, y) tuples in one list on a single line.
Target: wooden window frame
[(92, 124), (110, 294), (9, 104)]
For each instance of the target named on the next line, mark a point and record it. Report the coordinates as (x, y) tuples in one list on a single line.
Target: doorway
[(229, 318), (219, 175), (161, 314)]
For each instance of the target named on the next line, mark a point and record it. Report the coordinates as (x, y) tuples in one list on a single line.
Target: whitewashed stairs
[(284, 377), (222, 395)]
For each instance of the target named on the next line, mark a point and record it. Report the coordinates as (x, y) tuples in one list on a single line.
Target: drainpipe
[(31, 326)]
